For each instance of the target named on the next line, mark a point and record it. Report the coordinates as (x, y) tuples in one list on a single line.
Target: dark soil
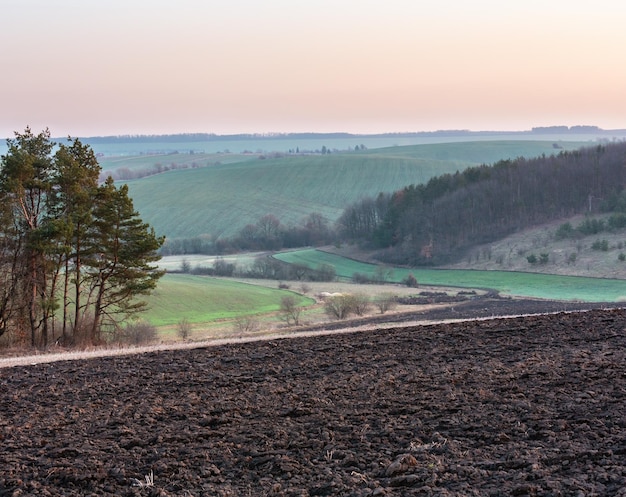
[(516, 406)]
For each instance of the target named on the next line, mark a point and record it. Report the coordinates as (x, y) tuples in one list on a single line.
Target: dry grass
[(510, 254)]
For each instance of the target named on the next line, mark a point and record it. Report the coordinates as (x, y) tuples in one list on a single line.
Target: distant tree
[(223, 268), (290, 310), (339, 306), (184, 328), (410, 281), (385, 302), (185, 266), (360, 304)]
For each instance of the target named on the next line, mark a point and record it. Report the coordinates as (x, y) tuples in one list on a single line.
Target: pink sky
[(229, 66)]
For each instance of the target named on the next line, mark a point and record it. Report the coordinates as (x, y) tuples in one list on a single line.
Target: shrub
[(532, 259), (139, 333), (290, 310), (617, 221), (360, 304), (621, 257), (223, 268), (246, 324), (185, 266), (338, 306), (566, 230), (361, 278), (410, 281), (543, 258), (591, 226), (184, 328), (385, 302), (602, 245)]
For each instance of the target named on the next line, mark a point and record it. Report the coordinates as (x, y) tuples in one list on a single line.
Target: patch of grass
[(200, 299), (535, 285)]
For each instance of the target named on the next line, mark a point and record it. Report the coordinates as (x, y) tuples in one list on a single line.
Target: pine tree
[(123, 267), (67, 243)]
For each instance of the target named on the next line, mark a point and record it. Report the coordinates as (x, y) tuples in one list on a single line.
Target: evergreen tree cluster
[(74, 254)]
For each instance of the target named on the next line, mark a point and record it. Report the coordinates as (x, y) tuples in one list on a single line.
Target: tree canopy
[(75, 256)]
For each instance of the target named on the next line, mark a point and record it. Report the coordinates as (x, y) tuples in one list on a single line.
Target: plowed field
[(516, 406)]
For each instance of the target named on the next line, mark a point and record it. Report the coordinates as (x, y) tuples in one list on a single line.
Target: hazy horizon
[(240, 66)]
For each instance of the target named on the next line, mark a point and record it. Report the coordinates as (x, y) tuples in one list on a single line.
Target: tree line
[(74, 254), (434, 222), (268, 233)]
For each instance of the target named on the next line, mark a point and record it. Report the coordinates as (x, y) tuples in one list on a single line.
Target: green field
[(556, 287), (201, 299), (111, 164), (221, 199)]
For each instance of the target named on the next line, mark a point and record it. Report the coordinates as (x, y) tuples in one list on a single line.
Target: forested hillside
[(433, 222)]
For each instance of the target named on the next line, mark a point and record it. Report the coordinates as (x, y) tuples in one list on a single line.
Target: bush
[(532, 259), (139, 333), (385, 302), (566, 230), (410, 281), (223, 268), (361, 278), (185, 266), (360, 304), (602, 245), (290, 310), (591, 226), (338, 306), (246, 324), (621, 257), (184, 329)]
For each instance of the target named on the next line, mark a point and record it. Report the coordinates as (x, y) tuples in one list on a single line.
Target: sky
[(88, 67)]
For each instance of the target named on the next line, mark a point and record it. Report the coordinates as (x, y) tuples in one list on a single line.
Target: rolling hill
[(220, 199)]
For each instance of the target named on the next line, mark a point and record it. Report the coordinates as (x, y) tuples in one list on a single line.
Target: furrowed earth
[(529, 405)]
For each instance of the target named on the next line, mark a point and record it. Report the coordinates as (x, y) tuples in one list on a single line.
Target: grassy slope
[(511, 283), (573, 256), (147, 162), (220, 200), (201, 300)]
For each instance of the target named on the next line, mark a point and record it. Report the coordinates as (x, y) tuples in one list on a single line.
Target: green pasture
[(221, 199), (556, 287), (201, 299), (480, 152)]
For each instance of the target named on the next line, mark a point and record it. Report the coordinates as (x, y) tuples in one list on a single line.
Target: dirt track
[(519, 406)]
